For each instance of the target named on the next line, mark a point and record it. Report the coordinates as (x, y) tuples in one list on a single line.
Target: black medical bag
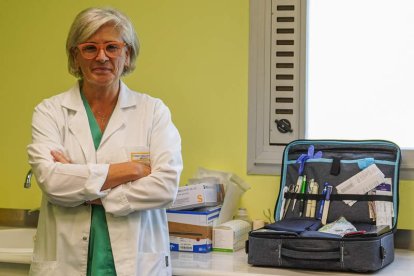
[(347, 222)]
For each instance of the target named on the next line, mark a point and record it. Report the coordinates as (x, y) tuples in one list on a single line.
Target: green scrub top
[(100, 258)]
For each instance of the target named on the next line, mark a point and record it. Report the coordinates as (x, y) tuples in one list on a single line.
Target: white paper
[(361, 183), (234, 187), (384, 209)]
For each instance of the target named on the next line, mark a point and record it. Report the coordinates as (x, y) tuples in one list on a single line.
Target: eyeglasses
[(91, 50)]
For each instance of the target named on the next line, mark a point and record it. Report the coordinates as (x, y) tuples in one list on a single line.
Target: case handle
[(311, 255)]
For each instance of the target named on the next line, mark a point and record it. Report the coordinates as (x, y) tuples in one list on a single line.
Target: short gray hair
[(88, 21)]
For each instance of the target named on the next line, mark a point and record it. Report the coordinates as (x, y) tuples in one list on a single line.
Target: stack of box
[(192, 216), (192, 230)]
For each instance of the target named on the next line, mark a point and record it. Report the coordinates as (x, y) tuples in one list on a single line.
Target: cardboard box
[(192, 231), (198, 195), (231, 236)]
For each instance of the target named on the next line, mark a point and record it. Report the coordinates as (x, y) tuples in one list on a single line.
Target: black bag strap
[(339, 197)]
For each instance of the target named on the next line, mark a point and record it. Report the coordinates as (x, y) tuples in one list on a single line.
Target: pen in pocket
[(282, 210), (324, 191), (297, 190), (311, 204), (302, 201), (326, 203)]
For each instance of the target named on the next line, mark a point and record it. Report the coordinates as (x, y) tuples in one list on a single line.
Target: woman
[(107, 160)]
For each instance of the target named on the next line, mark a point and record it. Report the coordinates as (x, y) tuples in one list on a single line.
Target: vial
[(243, 215)]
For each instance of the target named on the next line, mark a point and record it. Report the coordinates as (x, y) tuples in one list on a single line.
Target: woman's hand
[(58, 156), (120, 173)]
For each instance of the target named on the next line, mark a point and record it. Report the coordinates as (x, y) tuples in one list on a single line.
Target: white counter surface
[(16, 250), (229, 264), (232, 264)]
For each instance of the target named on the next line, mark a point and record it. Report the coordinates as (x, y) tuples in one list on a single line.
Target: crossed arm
[(119, 173)]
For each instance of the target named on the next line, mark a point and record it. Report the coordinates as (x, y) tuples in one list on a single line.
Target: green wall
[(194, 56)]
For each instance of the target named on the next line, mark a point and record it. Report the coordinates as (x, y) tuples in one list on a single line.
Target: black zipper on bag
[(393, 148), (342, 150)]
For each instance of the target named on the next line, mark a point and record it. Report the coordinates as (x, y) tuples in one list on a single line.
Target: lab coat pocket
[(153, 264), (44, 268)]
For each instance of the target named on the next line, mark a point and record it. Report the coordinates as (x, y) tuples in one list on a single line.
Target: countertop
[(17, 261), (232, 264)]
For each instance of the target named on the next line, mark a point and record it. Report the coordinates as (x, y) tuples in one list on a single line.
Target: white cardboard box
[(231, 236), (198, 195)]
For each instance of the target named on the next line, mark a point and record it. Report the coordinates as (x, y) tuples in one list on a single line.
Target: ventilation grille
[(285, 53)]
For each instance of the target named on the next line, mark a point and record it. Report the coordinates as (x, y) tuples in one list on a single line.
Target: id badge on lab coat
[(140, 154)]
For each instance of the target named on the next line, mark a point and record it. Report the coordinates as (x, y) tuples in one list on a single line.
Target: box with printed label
[(231, 236), (191, 231), (198, 195)]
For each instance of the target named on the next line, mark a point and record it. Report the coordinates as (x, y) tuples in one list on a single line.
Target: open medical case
[(337, 207)]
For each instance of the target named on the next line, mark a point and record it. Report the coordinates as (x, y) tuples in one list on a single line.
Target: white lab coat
[(136, 216)]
